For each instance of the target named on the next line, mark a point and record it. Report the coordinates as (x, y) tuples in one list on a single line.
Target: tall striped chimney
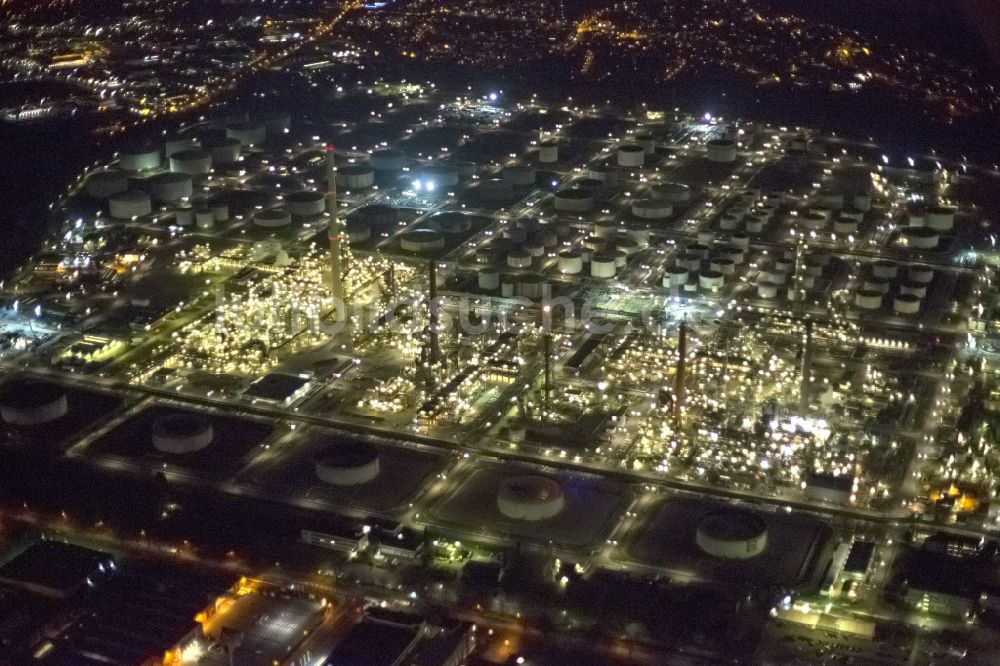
[(336, 267)]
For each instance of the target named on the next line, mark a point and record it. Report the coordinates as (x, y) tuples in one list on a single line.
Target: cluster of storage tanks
[(925, 226), (150, 174), (906, 286)]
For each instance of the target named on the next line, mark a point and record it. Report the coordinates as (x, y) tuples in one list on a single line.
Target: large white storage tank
[(671, 192), (530, 497), (272, 218), (194, 162), (631, 155), (652, 209), (573, 200), (139, 158), (129, 204), (732, 534), (721, 150), (306, 203), (519, 175), (355, 177), (169, 187), (388, 159), (548, 152)]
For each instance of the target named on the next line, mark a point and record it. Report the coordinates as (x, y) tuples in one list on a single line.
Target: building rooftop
[(374, 643), (54, 569)]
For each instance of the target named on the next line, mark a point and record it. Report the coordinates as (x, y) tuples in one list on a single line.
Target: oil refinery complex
[(638, 342)]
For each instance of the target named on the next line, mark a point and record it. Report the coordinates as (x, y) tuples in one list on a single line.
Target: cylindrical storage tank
[(918, 289), (128, 204), (673, 193), (703, 251), (515, 234), (183, 216), (734, 253), (507, 288), (830, 198), (357, 231), (710, 280), (729, 222), (868, 300), (862, 202), (706, 237), (534, 246), (466, 170), (102, 184), (852, 214), (754, 224), (906, 304), (169, 187), (220, 210), (485, 255), (223, 149), (721, 150), (877, 284), (845, 225), (885, 269), (388, 159), (774, 198), (249, 134), (27, 402), (519, 175), (272, 218), (519, 259), (631, 155), (572, 200), (438, 177), (783, 265), (740, 240), (355, 177), (775, 277), (690, 261), (626, 245), (767, 290), (813, 221), (723, 265), (489, 279), (139, 159), (306, 203), (177, 434), (808, 281), (530, 286), (676, 276), (421, 240), (920, 238), (548, 152), (651, 209), (530, 497), (606, 229), (825, 211), (940, 218), (620, 259), (194, 162), (732, 534), (595, 243), (602, 265), (496, 189), (529, 224), (922, 274), (177, 144), (204, 219), (606, 173), (547, 237), (348, 463), (570, 262)]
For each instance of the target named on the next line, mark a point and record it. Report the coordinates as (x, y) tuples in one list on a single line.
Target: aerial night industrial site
[(433, 334)]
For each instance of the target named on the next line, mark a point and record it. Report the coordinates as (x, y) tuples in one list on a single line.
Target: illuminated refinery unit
[(509, 323)]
